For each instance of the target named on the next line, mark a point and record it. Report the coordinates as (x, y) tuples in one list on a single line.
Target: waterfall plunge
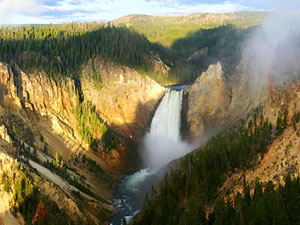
[(166, 121), (163, 143)]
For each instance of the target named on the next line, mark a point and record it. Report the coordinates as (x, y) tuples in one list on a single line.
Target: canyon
[(40, 114), (77, 133), (37, 112)]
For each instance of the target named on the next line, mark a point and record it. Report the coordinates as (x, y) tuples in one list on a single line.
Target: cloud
[(59, 11), (9, 8), (204, 8), (273, 5)]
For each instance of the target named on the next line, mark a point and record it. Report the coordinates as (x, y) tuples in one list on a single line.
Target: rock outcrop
[(208, 100), (217, 99), (281, 98), (40, 127), (282, 158), (125, 99)]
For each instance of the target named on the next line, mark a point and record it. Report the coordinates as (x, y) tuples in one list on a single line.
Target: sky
[(63, 11)]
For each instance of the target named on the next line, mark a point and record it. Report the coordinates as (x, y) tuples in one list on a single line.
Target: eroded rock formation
[(217, 99), (125, 99), (40, 128)]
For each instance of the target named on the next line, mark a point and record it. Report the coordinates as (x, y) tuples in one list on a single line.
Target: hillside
[(253, 115), (68, 148), (261, 146), (247, 173), (197, 40), (77, 99), (166, 30), (60, 50), (70, 130)]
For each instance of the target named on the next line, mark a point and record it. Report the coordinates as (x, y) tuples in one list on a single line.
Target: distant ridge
[(167, 29), (196, 17)]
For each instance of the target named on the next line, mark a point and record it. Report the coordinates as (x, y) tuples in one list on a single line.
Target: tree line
[(61, 50), (187, 192)]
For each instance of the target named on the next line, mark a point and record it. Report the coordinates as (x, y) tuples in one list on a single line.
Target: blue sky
[(61, 11)]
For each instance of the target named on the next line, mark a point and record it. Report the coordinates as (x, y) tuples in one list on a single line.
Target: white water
[(161, 145), (167, 118)]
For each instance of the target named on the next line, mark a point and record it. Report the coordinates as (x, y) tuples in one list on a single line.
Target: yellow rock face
[(216, 99), (125, 99), (37, 108)]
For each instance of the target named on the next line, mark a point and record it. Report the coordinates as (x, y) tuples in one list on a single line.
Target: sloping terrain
[(68, 146), (74, 103), (167, 29), (258, 139), (282, 158)]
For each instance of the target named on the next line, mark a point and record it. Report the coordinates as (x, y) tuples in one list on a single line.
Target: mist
[(273, 49), (163, 143), (159, 151)]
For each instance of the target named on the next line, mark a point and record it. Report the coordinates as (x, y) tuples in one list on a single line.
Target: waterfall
[(161, 145), (167, 118)]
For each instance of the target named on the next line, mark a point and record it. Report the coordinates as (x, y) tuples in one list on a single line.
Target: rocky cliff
[(67, 146), (125, 100), (282, 158), (216, 99)]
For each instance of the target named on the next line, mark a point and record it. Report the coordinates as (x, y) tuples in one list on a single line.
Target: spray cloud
[(162, 143), (273, 49)]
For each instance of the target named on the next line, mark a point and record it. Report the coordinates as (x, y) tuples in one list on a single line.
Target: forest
[(166, 30), (268, 205), (61, 50), (197, 40), (187, 193), (208, 46)]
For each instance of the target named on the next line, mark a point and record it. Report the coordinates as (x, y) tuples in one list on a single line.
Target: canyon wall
[(42, 120), (282, 158), (216, 99), (125, 99)]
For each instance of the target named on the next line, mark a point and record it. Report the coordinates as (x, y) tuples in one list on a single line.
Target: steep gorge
[(282, 158), (41, 120), (71, 144), (217, 101), (260, 141), (69, 137)]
